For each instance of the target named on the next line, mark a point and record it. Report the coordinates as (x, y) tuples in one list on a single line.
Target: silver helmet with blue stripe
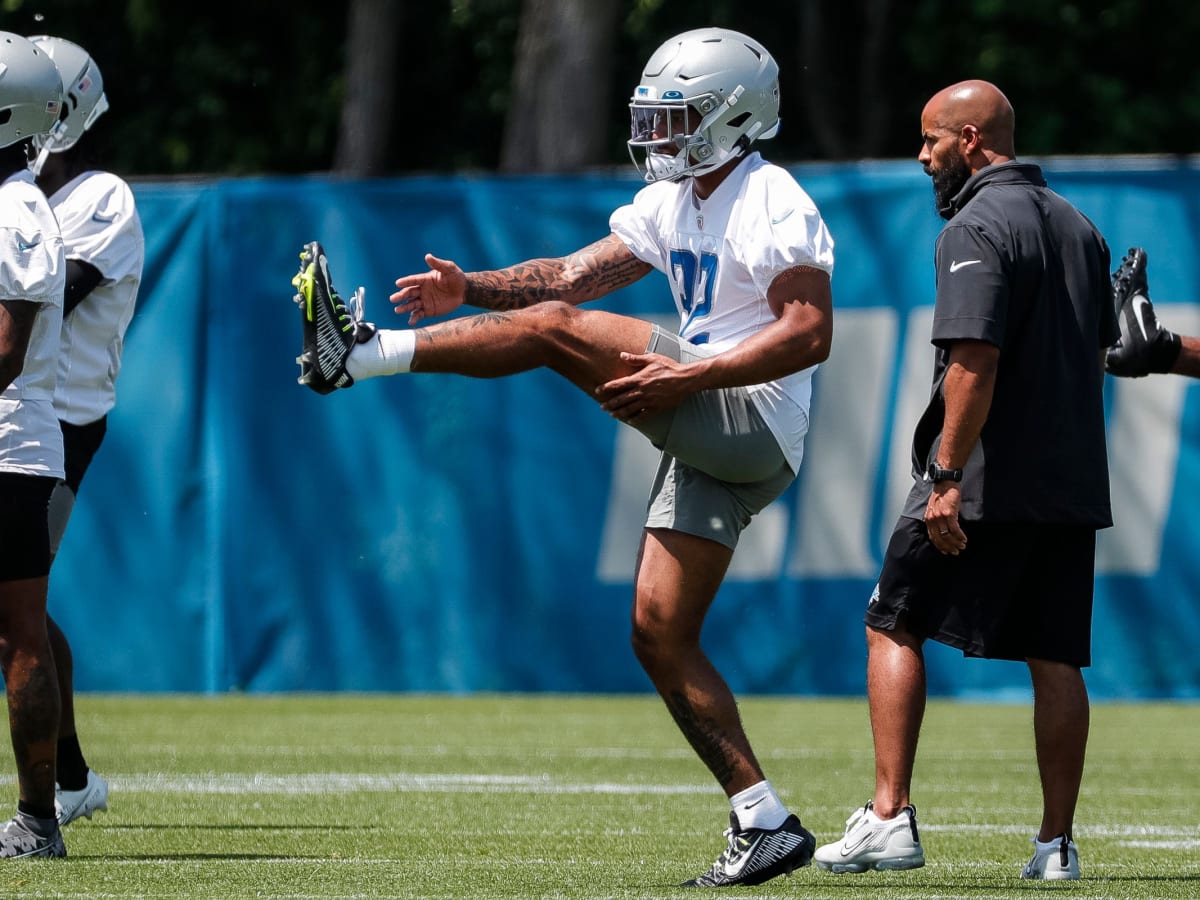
[(704, 97)]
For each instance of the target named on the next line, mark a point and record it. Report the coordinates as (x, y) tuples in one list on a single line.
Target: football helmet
[(30, 90), (704, 97), (83, 96)]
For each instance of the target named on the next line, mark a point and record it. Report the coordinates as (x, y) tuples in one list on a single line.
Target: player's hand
[(941, 519), (657, 383), (434, 293)]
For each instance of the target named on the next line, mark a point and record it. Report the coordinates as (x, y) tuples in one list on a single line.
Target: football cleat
[(1055, 860), (1144, 345), (24, 836), (70, 805), (874, 843), (755, 855), (331, 328)]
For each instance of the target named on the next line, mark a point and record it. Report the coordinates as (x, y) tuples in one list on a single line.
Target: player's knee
[(646, 634), (17, 644), (644, 644), (658, 640), (555, 318)]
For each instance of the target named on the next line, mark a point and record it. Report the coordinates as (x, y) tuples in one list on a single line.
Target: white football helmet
[(83, 96), (704, 97), (30, 90)]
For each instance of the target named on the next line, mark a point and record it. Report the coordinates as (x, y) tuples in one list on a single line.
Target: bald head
[(979, 105), (964, 128)]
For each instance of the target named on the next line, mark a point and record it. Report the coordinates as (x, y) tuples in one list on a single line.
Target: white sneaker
[(874, 843), (24, 836), (1055, 860), (70, 805)]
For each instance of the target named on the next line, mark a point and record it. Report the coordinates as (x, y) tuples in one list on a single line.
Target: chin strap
[(49, 144), (35, 166)]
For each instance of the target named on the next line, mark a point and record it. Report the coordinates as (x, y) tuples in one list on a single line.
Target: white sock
[(389, 352), (758, 806)]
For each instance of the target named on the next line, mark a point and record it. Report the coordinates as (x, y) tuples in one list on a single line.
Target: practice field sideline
[(357, 796)]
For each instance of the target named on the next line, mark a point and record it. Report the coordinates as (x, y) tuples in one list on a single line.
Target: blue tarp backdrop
[(435, 533)]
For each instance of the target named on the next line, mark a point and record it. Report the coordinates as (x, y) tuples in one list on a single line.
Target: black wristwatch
[(937, 473)]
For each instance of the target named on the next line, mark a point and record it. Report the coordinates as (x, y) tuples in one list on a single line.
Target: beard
[(947, 182)]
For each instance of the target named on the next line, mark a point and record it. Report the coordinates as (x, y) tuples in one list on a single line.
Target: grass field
[(338, 796)]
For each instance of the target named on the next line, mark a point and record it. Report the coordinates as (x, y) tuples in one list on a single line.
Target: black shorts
[(24, 533), (1018, 591), (80, 443)]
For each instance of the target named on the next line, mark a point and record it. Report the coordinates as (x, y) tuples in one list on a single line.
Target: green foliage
[(231, 87), (255, 87), (581, 797), (1085, 78)]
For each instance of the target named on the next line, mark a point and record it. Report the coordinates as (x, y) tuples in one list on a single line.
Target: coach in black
[(994, 552)]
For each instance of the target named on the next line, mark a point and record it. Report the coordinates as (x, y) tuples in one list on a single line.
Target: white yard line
[(350, 782), (1184, 837)]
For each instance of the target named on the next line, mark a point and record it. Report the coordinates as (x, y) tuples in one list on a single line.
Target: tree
[(362, 138), (230, 87), (559, 113), (827, 61)]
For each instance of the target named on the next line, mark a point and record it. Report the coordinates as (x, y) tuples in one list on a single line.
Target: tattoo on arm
[(515, 287), (706, 739), (592, 272)]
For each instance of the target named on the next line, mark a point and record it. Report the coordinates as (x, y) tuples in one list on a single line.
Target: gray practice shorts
[(1018, 591), (720, 465)]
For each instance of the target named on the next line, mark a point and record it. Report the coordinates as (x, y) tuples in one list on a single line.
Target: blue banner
[(437, 533)]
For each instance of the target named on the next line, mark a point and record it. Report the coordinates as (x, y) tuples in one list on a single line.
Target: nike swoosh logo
[(737, 861), (1139, 312), (103, 220), (754, 804), (956, 265), (783, 217), (848, 849), (22, 246)]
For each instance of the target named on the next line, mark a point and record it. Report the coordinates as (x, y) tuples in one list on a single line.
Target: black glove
[(1144, 346)]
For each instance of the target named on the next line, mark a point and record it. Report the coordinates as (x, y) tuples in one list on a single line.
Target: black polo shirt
[(1021, 268)]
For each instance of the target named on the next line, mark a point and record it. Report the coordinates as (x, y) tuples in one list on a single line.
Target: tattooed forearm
[(517, 286), (706, 739), (592, 272)]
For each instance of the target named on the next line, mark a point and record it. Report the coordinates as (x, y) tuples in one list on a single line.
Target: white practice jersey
[(100, 226), (32, 270), (720, 255)]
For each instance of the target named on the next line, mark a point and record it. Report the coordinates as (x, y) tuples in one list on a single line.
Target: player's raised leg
[(584, 346)]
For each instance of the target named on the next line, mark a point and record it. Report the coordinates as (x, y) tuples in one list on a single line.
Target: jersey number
[(695, 275)]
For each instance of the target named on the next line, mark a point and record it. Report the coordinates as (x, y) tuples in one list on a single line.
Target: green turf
[(570, 797)]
